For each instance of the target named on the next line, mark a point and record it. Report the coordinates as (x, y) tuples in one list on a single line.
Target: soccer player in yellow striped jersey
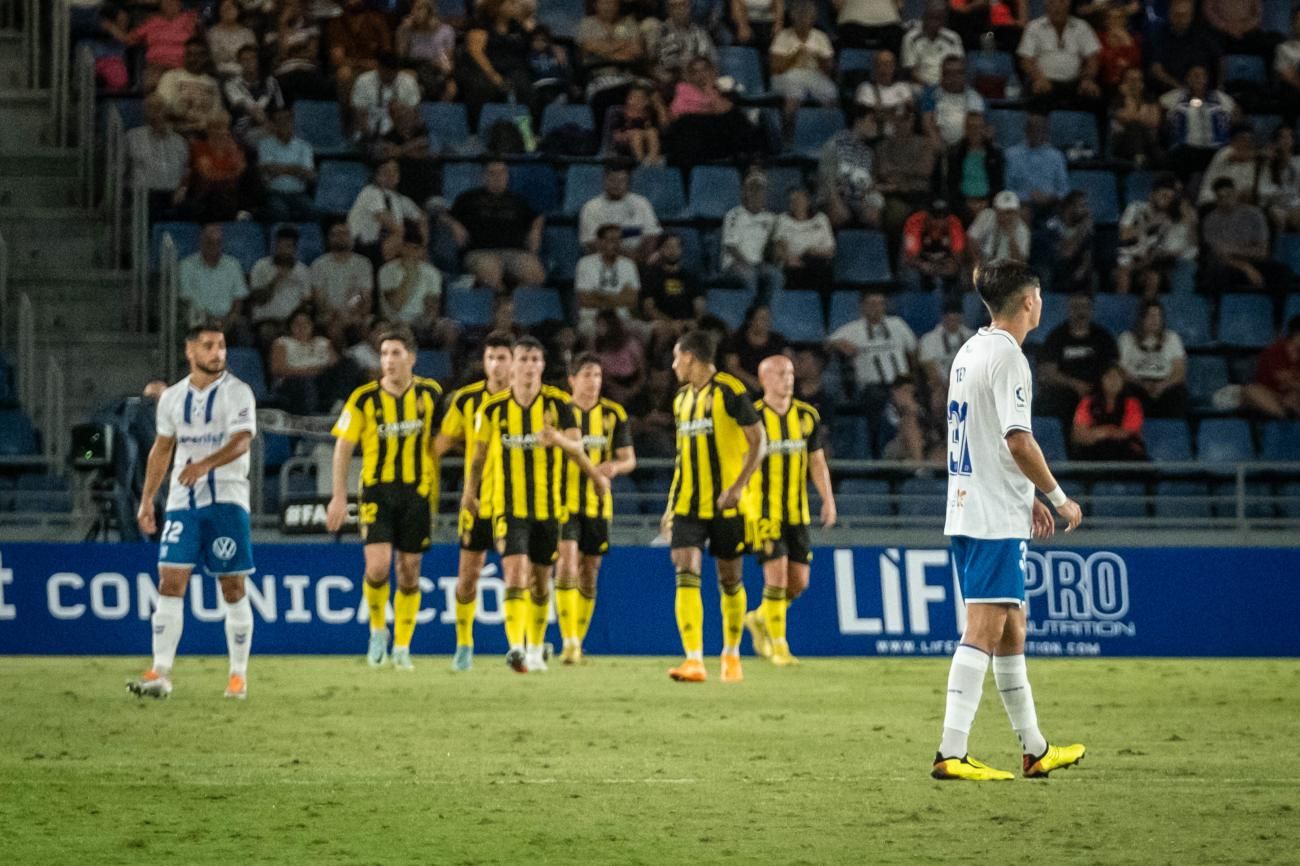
[(585, 535), (780, 491), (394, 420), (524, 433), (474, 528), (719, 446)]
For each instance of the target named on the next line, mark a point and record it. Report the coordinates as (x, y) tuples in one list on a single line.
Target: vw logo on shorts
[(224, 547)]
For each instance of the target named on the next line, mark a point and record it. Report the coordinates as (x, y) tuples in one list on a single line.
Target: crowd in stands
[(845, 158)]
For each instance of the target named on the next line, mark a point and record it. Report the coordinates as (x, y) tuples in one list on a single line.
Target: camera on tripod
[(93, 454)]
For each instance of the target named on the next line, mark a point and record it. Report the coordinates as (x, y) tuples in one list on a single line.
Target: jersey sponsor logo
[(696, 427), (1020, 396), (400, 429), (212, 439), (526, 442), (592, 441), (786, 446), (224, 547)]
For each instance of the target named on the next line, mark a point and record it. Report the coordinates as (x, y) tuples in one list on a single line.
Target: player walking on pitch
[(781, 513), (584, 538), (394, 420), (206, 422), (994, 466)]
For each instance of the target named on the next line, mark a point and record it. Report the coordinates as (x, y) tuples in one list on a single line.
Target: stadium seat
[(319, 122), (857, 60), (1050, 436), (494, 111), (662, 186), (729, 305), (1244, 69), (246, 364), (433, 364), (744, 65), (991, 66), (1206, 374), (780, 180), (534, 306), (17, 437), (715, 189), (1286, 249), (1224, 440), (451, 9), (974, 313), (538, 184), (627, 496), (310, 242), (582, 183), (861, 257), (693, 258), (1116, 313), (1054, 312), (245, 241), (1265, 125), (130, 109), (1168, 439), (1245, 320), (1118, 499), (560, 251), (851, 438), (559, 114), (923, 497), (458, 177), (338, 185), (184, 235), (1066, 129), (1290, 307), (1280, 440), (277, 448), (1008, 125), (1137, 186), (561, 17), (866, 497), (812, 127), (1189, 318), (845, 308), (1182, 500), (448, 125), (1103, 194), (797, 315), (919, 309), (470, 307), (1288, 504)]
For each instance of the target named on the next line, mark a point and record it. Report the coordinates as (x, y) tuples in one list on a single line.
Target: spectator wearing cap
[(378, 213), (630, 211), (288, 168), (934, 246), (973, 168), (1276, 389), (410, 292), (1236, 237), (802, 61), (905, 169), (606, 279), (882, 94), (279, 284), (938, 347), (355, 39), (1000, 232), (804, 244), (928, 44), (880, 349), (846, 184), (1157, 242), (499, 231), (160, 160), (375, 91), (1198, 121), (343, 285), (191, 96), (944, 106), (1035, 170), (747, 241), (1074, 355), (1059, 55), (1238, 161)]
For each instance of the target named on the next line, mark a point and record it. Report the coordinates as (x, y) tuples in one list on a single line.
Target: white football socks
[(1018, 698), (239, 635), (168, 621), (965, 685)]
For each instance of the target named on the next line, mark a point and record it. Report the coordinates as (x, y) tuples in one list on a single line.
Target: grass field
[(1189, 761)]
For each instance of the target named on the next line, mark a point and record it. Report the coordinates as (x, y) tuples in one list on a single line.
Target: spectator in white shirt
[(1060, 57), (1286, 61), (160, 160), (1157, 241), (757, 21), (804, 244), (746, 238), (802, 60), (1155, 363), (883, 95), (881, 348), (1000, 232), (1238, 161), (343, 284), (377, 216), (928, 44), (252, 98), (631, 211), (301, 363), (605, 280), (375, 90), (213, 288), (937, 349), (944, 106), (410, 293), (280, 284), (869, 23)]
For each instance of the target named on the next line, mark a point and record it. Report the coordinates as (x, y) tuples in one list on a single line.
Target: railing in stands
[(25, 14), (26, 351), (61, 70), (4, 293), (85, 93), (111, 203), (138, 216), (54, 417), (168, 305)]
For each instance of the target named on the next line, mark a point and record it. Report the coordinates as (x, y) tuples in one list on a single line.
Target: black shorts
[(724, 536), (475, 532), (538, 539), (591, 533), (774, 540), (395, 514)]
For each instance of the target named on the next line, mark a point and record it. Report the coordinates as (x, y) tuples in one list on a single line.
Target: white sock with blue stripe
[(1012, 677), (239, 634), (168, 622), (965, 686)]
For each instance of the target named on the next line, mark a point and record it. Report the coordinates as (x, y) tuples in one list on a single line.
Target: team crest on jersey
[(224, 547)]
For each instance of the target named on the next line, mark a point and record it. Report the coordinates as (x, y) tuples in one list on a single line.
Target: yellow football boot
[(731, 671), (758, 634), (967, 769), (1055, 758), (689, 671), (781, 655)]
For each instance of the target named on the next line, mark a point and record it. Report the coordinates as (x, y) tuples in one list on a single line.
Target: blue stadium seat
[(277, 448), (1009, 126), (1137, 186), (245, 241), (693, 258), (1116, 313), (470, 307), (812, 127), (494, 111), (451, 9), (433, 364), (923, 497), (533, 306), (662, 186), (448, 125), (560, 251), (1224, 440), (861, 257), (797, 315), (1119, 499), (1168, 439), (1246, 320), (866, 497), (844, 309), (582, 183), (561, 17), (538, 184), (310, 242), (1206, 374), (184, 235), (1291, 307), (627, 496), (1280, 440), (1286, 249), (744, 65), (558, 114), (246, 364), (1289, 500), (458, 177), (780, 180), (919, 309), (1054, 312), (1189, 318), (130, 109), (1265, 125), (1103, 194), (1050, 436), (856, 63), (990, 65), (975, 314), (1182, 499), (715, 189), (1065, 129), (729, 305), (17, 437), (319, 122), (1244, 69), (338, 185)]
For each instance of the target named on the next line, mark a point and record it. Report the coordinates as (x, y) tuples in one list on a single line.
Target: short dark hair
[(582, 359), (402, 334), (198, 41), (528, 341), (614, 165), (498, 340), (1002, 282), (288, 233), (699, 343), (196, 331), (1223, 183)]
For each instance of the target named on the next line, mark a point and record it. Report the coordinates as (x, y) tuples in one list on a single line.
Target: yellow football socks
[(538, 608), (586, 607), (773, 612), (465, 621), (516, 604), (733, 617), (567, 608), (405, 608), (690, 614), (377, 602)]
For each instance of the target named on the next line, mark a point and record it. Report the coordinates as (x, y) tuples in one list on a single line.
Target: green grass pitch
[(1189, 762)]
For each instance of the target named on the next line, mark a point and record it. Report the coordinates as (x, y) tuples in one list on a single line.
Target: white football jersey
[(202, 422), (989, 395)]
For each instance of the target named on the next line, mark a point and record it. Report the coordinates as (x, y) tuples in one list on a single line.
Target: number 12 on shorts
[(958, 446)]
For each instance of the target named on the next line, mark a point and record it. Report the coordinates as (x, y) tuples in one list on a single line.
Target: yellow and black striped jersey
[(779, 486), (527, 480), (604, 430), (711, 444), (458, 423), (395, 432)]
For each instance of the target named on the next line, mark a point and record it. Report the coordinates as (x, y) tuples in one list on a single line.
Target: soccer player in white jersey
[(994, 465), (206, 421)]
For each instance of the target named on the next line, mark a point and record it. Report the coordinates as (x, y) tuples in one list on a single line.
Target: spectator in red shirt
[(934, 245), (217, 164), (1108, 422), (356, 39), (164, 36), (1276, 389)]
